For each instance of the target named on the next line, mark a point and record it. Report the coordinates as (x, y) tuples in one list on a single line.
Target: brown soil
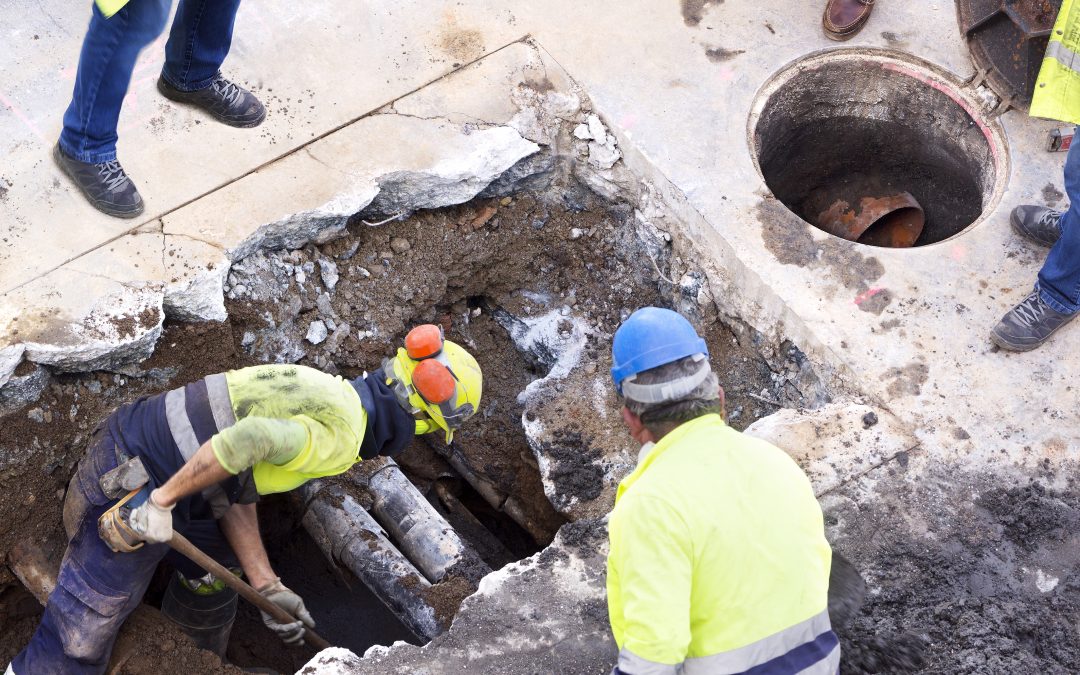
[(456, 267)]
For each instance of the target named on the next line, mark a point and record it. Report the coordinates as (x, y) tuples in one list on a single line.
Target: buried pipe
[(416, 527), (499, 500), (350, 537), (470, 521)]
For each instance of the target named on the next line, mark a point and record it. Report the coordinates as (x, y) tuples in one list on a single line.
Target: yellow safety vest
[(1057, 91), (718, 559), (110, 7)]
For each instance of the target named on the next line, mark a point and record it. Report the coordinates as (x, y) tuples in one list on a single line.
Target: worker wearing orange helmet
[(203, 454)]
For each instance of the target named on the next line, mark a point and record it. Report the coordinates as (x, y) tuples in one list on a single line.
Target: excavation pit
[(837, 129), (532, 284)]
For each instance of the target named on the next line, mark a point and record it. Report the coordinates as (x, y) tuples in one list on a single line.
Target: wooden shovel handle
[(181, 544)]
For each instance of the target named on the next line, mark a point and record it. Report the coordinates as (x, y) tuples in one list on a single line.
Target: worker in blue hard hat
[(718, 560)]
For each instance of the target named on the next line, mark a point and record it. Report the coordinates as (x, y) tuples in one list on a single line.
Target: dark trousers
[(198, 43), (1059, 279), (97, 589)]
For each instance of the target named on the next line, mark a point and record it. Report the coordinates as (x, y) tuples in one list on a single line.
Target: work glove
[(290, 633), (152, 522)]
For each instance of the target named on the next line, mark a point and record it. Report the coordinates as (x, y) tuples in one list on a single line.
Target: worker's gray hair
[(662, 417)]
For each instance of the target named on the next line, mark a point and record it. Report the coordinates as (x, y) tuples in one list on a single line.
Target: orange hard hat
[(424, 341), (434, 381)]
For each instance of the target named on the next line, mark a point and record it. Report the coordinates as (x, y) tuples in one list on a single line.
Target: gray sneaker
[(1028, 325), (224, 100), (1037, 223), (106, 186)]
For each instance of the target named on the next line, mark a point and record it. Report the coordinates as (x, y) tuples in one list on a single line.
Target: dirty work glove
[(290, 633), (152, 522)]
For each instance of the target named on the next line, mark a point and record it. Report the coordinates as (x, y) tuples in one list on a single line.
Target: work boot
[(226, 101), (1037, 223), (105, 185), (844, 18), (1028, 325)]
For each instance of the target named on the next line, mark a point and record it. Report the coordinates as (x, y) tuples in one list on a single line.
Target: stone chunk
[(328, 270), (317, 332)]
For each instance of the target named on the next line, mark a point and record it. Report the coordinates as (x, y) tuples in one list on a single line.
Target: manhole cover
[(1007, 39)]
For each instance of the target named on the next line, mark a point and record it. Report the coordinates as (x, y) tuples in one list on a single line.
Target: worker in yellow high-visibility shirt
[(119, 29), (718, 560), (1055, 299), (208, 450)]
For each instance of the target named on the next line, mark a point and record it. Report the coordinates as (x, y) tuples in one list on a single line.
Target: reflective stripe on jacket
[(718, 560), (327, 406), (1057, 91)]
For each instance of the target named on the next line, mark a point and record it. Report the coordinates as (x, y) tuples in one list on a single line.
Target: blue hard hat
[(651, 337)]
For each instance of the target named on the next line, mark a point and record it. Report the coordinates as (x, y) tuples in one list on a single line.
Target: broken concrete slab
[(836, 443), (298, 75), (389, 163)]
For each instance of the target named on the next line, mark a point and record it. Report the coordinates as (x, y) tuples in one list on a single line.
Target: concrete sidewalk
[(675, 84)]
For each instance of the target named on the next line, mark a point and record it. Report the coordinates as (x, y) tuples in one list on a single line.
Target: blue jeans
[(198, 43), (1059, 278), (97, 589)]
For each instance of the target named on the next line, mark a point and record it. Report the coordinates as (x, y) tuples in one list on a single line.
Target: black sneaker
[(225, 101), (1037, 223), (105, 185), (1028, 325)]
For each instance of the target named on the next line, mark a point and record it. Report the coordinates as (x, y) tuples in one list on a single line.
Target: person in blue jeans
[(1055, 299), (198, 43)]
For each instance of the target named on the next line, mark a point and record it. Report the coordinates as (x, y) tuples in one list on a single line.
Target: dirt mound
[(984, 576)]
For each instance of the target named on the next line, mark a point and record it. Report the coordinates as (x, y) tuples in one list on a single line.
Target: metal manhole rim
[(927, 72)]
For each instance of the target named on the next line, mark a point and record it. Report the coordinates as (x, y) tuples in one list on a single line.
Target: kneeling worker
[(208, 450), (718, 560)]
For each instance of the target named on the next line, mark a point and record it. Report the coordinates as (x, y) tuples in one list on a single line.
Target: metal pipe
[(416, 527), (349, 536), (478, 530), (499, 500)]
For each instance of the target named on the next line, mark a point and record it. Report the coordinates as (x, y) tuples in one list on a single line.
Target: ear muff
[(424, 341), (434, 381)]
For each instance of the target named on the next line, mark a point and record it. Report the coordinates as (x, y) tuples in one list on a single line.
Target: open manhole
[(835, 134)]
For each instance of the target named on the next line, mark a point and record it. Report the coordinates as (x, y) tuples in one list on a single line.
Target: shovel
[(847, 591), (180, 544)]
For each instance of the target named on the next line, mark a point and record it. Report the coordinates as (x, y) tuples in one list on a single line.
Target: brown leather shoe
[(844, 18)]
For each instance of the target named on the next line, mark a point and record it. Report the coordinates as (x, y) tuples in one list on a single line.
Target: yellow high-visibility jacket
[(1057, 90), (110, 7), (718, 560)]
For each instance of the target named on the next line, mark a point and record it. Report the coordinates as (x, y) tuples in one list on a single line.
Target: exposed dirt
[(459, 267), (989, 587)]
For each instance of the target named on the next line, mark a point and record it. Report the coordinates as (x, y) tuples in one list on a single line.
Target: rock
[(199, 295), (328, 270), (506, 201), (36, 415), (581, 132), (400, 244), (535, 172), (316, 333), (10, 358), (326, 310), (597, 130), (20, 391), (575, 233), (456, 178), (604, 155)]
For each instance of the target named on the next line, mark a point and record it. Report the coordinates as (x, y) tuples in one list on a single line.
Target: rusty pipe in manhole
[(893, 221)]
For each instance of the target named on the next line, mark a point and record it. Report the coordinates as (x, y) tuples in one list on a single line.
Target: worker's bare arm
[(240, 524), (199, 473)]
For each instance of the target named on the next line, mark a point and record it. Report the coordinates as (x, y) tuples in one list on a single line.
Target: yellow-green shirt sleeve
[(258, 439)]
